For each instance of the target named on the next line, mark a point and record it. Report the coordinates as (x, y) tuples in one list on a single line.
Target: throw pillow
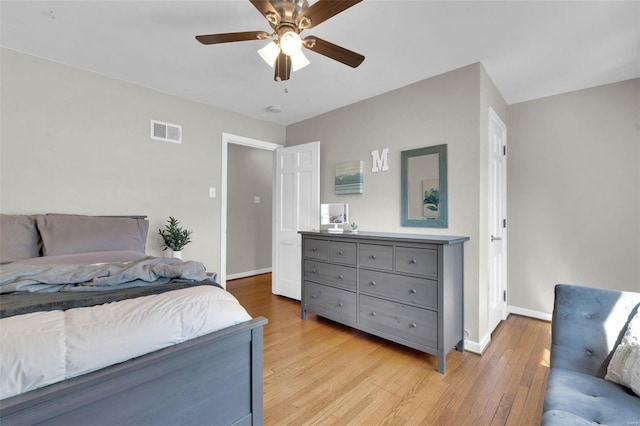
[(624, 367)]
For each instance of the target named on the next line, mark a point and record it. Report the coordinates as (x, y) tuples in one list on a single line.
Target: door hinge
[(504, 150), (504, 223), (504, 295)]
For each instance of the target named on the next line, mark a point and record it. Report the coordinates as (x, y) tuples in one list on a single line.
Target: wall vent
[(166, 131)]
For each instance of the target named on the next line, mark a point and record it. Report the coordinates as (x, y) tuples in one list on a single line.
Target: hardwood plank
[(318, 372)]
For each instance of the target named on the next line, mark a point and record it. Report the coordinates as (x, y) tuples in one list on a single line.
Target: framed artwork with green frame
[(424, 187)]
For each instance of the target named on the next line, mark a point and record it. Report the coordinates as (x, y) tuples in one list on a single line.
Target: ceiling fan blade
[(283, 68), (267, 10), (323, 10), (229, 37), (333, 51)]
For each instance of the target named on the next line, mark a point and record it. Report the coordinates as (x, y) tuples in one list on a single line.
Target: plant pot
[(176, 254)]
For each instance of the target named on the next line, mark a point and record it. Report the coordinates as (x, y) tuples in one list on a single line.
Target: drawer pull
[(372, 283), (313, 296), (340, 305), (373, 256), (413, 291), (340, 277), (314, 249), (414, 261), (414, 325), (373, 314), (340, 252)]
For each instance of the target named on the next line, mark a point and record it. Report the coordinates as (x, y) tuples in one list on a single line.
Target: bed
[(177, 349)]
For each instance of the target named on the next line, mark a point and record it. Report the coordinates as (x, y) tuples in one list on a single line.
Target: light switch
[(212, 192), (256, 199)]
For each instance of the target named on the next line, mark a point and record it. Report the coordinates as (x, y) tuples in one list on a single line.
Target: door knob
[(495, 238)]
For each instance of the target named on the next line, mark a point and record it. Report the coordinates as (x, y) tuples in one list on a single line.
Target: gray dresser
[(406, 288)]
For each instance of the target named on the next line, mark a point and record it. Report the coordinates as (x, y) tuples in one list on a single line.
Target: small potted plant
[(354, 227), (174, 237)]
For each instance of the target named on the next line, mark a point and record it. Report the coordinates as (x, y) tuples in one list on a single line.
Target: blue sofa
[(587, 324)]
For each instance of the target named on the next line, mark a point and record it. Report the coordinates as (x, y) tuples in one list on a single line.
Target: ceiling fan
[(288, 18)]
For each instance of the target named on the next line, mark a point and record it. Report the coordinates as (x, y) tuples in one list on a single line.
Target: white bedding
[(42, 348)]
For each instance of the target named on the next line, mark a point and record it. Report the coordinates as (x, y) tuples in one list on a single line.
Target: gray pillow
[(19, 238), (69, 234)]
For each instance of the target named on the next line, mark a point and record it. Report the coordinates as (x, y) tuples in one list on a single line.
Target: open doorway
[(243, 228), (249, 211)]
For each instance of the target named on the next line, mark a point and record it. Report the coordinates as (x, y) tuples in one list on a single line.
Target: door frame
[(228, 138)]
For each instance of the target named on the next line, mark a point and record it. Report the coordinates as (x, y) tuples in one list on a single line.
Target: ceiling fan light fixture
[(299, 61), (290, 43), (270, 53)]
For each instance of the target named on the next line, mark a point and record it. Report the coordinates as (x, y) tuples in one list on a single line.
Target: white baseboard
[(529, 313), (480, 347), (248, 274), (475, 347)]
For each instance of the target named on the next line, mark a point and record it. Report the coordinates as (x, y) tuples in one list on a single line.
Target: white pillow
[(624, 367)]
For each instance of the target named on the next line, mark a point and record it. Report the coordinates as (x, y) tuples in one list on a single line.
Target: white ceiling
[(531, 49)]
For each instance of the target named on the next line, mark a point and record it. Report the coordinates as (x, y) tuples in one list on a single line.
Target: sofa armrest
[(586, 325)]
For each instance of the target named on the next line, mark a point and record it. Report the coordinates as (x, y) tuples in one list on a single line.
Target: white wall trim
[(255, 143), (478, 348), (248, 274), (228, 138), (529, 313)]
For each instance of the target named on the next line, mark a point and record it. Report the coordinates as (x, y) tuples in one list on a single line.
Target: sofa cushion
[(587, 324), (575, 398)]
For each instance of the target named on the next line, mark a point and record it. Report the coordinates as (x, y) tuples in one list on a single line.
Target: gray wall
[(574, 191), (445, 109), (249, 174), (76, 142)]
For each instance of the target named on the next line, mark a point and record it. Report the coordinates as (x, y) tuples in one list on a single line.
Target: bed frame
[(216, 379)]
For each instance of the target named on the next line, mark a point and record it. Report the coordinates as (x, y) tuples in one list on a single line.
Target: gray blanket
[(148, 271), (24, 303)]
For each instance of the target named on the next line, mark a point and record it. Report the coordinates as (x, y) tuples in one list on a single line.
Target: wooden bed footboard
[(215, 379)]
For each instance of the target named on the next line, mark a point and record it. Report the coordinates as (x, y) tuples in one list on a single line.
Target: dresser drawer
[(316, 249), (342, 252), (407, 322), (328, 273), (330, 302), (414, 290), (376, 256), (419, 261)]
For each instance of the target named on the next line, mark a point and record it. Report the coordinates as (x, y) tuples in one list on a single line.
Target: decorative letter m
[(380, 160)]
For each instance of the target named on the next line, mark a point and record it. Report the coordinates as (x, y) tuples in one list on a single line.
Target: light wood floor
[(319, 372)]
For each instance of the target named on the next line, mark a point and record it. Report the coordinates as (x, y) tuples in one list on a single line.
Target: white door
[(498, 218), (296, 208)]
